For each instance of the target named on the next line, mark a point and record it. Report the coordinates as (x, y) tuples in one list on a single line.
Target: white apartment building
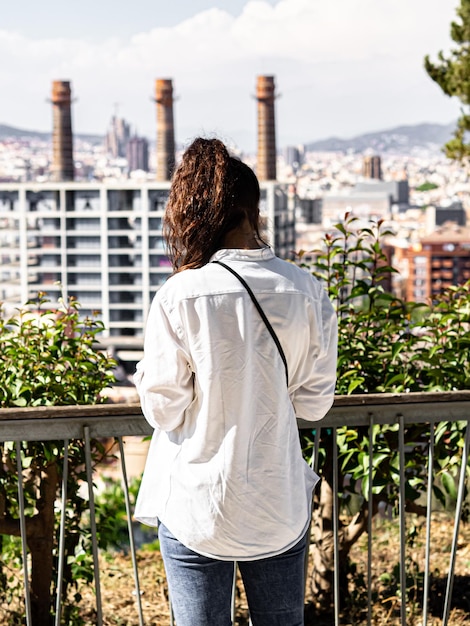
[(101, 243)]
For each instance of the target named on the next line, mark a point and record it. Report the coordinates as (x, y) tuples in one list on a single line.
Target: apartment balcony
[(444, 275), (119, 421), (44, 281)]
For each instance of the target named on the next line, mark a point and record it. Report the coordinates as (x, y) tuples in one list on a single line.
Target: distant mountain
[(7, 132), (398, 139)]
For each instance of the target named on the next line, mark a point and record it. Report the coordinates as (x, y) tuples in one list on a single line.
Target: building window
[(83, 243)]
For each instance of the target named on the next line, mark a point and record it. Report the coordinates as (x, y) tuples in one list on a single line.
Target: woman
[(225, 480)]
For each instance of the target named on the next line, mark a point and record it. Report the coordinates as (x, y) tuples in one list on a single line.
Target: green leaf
[(448, 483), (354, 385)]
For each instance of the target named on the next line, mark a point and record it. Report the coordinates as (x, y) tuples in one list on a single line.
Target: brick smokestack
[(165, 129), (62, 138), (266, 161)]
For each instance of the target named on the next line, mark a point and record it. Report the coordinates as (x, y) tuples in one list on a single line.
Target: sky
[(341, 67)]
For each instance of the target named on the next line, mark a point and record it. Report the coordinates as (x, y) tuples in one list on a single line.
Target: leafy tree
[(385, 345), (48, 357), (452, 74)]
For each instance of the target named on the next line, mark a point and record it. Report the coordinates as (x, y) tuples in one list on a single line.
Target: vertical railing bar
[(234, 592), (316, 450), (24, 547), (401, 451), (428, 524), (458, 515), (307, 551), (314, 461), (369, 520), (94, 542), (63, 513), (125, 485), (336, 528)]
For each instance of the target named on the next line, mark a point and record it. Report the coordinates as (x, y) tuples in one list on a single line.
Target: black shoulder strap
[(261, 312)]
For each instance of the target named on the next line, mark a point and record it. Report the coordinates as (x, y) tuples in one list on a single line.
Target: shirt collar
[(236, 254)]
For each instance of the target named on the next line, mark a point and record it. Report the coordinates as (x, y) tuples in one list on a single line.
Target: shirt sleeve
[(314, 397), (164, 377)]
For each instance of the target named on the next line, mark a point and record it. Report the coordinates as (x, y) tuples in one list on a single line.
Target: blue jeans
[(201, 588)]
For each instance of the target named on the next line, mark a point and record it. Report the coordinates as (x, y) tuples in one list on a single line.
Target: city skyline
[(341, 67)]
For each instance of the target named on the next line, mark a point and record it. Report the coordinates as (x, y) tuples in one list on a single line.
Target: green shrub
[(386, 344), (48, 357)]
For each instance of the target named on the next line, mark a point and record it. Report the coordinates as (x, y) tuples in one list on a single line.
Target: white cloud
[(320, 52)]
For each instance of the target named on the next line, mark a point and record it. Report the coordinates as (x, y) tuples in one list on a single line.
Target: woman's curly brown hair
[(211, 194)]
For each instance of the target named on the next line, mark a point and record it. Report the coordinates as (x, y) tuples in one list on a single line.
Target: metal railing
[(122, 420)]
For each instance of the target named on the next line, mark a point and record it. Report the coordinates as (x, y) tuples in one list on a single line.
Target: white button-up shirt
[(225, 471)]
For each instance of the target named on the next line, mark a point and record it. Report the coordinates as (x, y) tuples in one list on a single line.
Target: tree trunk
[(322, 536), (323, 556), (40, 537), (322, 582)]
